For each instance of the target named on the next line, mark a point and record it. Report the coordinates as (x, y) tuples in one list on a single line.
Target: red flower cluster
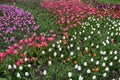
[(34, 40)]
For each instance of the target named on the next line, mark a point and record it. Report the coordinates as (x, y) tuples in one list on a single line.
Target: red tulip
[(23, 55)]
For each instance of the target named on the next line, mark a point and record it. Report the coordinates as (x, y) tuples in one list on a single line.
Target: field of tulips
[(59, 40)]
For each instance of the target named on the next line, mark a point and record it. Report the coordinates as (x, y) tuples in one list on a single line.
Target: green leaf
[(3, 79)]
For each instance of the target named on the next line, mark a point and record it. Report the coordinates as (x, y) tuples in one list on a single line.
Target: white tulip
[(14, 66), (111, 63), (75, 38), (104, 53), (107, 41), (63, 37), (79, 68), (20, 68), (9, 66), (62, 55), (57, 42), (68, 47), (53, 45), (60, 41), (91, 59), (71, 39), (85, 63), (115, 52), (85, 38), (105, 74), (98, 32), (50, 49), (80, 78), (92, 44), (94, 77), (26, 74), (97, 62), (18, 75), (115, 58), (91, 32), (78, 48), (71, 53), (76, 66), (71, 45), (86, 48), (60, 49), (25, 59), (69, 74), (103, 64), (107, 69), (79, 32), (29, 65), (75, 33), (119, 60), (70, 79), (89, 37), (44, 72), (105, 58), (88, 71), (97, 46), (55, 54), (111, 52), (43, 52), (49, 62), (83, 31)]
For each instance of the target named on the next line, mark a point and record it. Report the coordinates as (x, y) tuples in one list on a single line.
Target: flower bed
[(113, 9), (15, 24), (83, 48), (82, 54), (70, 13)]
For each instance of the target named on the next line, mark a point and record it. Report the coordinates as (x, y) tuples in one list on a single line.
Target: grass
[(110, 1)]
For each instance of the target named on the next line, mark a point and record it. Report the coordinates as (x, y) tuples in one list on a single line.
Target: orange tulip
[(75, 62), (97, 69), (86, 51), (94, 54), (64, 42)]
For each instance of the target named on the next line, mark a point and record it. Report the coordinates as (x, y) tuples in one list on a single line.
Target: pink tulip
[(54, 35), (50, 39), (15, 52), (21, 41), (51, 31), (2, 55), (20, 48), (37, 38), (43, 38), (15, 45)]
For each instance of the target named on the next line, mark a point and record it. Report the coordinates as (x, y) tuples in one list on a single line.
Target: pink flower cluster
[(70, 12)]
